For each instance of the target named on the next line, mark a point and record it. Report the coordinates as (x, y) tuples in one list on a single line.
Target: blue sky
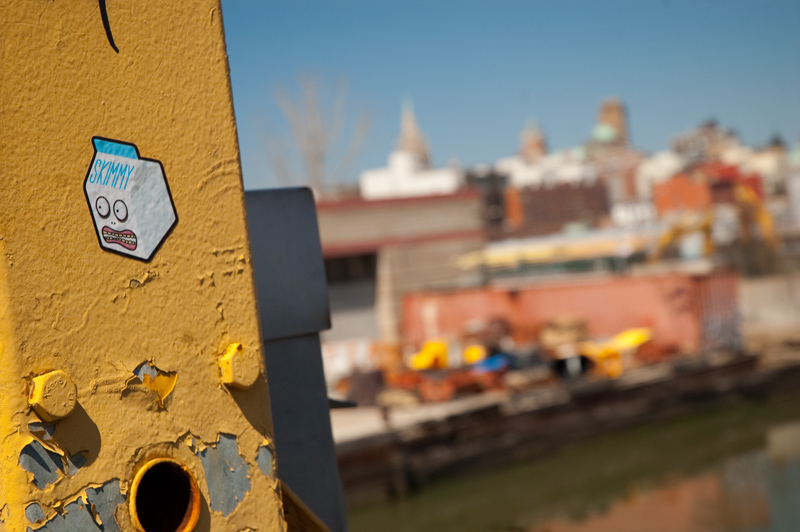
[(478, 70)]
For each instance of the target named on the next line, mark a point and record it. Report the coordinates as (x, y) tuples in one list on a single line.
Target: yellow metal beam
[(125, 265)]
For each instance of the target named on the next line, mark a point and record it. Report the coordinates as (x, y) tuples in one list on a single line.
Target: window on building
[(352, 268)]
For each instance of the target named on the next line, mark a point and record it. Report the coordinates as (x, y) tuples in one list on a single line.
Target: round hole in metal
[(164, 497)]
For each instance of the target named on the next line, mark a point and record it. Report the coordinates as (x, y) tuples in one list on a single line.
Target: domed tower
[(533, 143), (613, 113)]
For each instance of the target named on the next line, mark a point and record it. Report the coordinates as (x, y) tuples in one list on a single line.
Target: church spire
[(411, 138)]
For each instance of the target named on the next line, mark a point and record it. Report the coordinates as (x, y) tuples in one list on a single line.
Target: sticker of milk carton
[(129, 199)]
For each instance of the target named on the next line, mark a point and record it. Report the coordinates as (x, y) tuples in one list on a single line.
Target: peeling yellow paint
[(13, 479), (161, 382), (66, 304), (3, 517)]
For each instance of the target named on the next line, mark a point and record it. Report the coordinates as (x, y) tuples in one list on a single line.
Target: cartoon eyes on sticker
[(120, 210), (102, 206)]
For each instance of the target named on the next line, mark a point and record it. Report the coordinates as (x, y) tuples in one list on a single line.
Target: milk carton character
[(129, 200)]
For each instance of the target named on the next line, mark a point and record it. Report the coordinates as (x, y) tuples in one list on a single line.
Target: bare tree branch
[(354, 148), (276, 154), (316, 132)]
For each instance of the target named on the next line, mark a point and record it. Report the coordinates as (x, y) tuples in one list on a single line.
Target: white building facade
[(408, 173)]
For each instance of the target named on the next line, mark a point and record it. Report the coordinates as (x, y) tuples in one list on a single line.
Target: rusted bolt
[(239, 367), (53, 395)]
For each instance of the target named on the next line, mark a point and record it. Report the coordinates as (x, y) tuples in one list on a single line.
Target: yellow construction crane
[(686, 223), (751, 210)]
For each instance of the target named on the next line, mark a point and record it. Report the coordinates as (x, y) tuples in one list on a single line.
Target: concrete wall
[(352, 226), (353, 313), (770, 303), (417, 242), (419, 266), (673, 306)]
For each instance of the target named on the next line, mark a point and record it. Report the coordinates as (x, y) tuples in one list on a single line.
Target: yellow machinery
[(133, 395), (433, 355), (751, 211), (609, 356), (474, 353), (686, 223)]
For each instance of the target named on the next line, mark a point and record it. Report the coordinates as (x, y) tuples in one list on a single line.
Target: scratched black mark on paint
[(107, 25)]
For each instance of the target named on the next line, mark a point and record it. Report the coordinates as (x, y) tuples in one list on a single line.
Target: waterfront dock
[(386, 452)]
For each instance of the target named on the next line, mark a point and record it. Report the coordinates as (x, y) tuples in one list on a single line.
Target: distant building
[(534, 211), (706, 143), (533, 166), (376, 251), (576, 187), (656, 169), (492, 186), (610, 134), (533, 143), (613, 114), (617, 167), (634, 213), (682, 193), (794, 158), (608, 152), (793, 184), (770, 162), (562, 167), (408, 173)]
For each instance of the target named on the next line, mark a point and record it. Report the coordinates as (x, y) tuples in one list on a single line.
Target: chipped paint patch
[(75, 517), (43, 431), (90, 512), (76, 461), (34, 513), (162, 382), (265, 460), (104, 501), (226, 474), (143, 279), (45, 465)]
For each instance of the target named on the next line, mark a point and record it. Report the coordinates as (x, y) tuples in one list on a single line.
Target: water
[(732, 469)]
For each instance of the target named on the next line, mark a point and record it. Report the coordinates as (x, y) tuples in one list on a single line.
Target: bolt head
[(53, 395), (239, 367)]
